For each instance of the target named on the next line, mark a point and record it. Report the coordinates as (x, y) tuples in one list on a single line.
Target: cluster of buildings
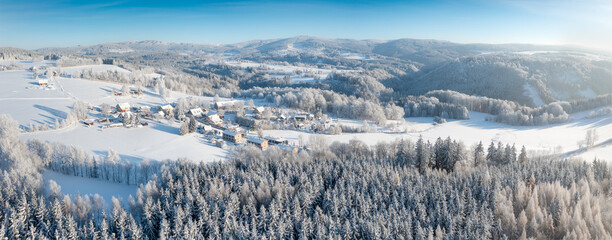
[(220, 131), (261, 143)]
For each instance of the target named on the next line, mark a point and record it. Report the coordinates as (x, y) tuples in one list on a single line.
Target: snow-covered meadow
[(549, 139), (28, 103)]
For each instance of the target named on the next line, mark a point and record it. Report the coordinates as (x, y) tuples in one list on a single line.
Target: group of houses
[(261, 143)]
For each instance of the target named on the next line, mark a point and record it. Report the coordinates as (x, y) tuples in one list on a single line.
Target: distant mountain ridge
[(528, 74)]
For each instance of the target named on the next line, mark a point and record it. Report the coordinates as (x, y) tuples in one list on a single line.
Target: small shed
[(123, 107)]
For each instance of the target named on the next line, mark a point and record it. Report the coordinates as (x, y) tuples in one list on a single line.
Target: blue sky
[(35, 24)]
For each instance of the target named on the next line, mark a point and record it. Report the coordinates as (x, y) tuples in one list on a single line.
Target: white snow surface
[(159, 141), (73, 186), (556, 138), (533, 94)]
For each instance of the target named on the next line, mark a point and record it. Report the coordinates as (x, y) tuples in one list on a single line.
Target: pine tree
[(422, 156), (164, 230), (479, 156), (184, 128), (492, 154), (523, 156), (193, 124)]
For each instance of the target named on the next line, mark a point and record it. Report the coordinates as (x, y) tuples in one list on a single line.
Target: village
[(222, 123)]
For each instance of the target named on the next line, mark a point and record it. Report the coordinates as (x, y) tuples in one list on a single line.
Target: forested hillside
[(530, 75)]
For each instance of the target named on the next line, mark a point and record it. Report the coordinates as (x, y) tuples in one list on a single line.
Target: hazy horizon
[(38, 24)]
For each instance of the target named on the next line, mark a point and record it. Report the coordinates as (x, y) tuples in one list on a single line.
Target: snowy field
[(28, 103), (557, 138), (73, 186), (158, 141)]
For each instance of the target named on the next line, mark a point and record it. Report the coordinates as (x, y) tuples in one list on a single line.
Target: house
[(277, 141), (281, 118), (229, 104), (159, 114), (221, 144), (168, 109), (43, 82), (195, 112), (144, 109), (123, 107), (259, 110), (230, 136), (89, 122), (205, 128), (300, 117), (260, 143), (214, 118), (288, 148)]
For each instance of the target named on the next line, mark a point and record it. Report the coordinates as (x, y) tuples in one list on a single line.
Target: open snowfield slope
[(548, 139), (158, 141), (72, 185), (26, 102)]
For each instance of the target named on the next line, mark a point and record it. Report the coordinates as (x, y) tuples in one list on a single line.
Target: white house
[(159, 114), (259, 110), (214, 118), (168, 109), (123, 107), (228, 104), (195, 112)]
